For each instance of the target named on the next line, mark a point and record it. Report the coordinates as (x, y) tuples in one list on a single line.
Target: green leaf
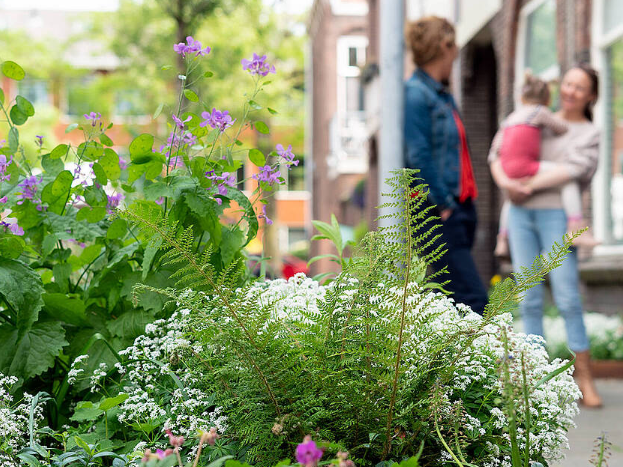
[(208, 74), (61, 272), (63, 308), (17, 116), (1, 96), (262, 127), (117, 229), (71, 127), (111, 402), (331, 231), (11, 246), (141, 149), (86, 414), (190, 95), (110, 163), (31, 352), (59, 151), (21, 288), (13, 139), (158, 111), (13, 70), (25, 106), (249, 213), (100, 174), (106, 141), (166, 67), (130, 324), (56, 193), (90, 151), (272, 111), (254, 105), (257, 157)]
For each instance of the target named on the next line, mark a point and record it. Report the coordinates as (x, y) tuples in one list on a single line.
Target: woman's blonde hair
[(534, 90), (426, 36)]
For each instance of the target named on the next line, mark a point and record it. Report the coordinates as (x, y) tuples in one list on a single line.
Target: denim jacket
[(431, 138)]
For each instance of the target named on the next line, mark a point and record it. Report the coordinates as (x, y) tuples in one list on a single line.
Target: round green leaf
[(191, 96), (59, 151), (262, 127), (11, 247), (25, 106), (17, 116), (51, 166), (100, 174), (158, 111), (90, 151), (141, 146), (208, 74), (13, 70), (106, 141), (71, 127), (13, 139), (117, 229), (110, 163), (256, 156)]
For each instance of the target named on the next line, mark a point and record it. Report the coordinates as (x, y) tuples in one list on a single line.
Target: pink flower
[(307, 453)]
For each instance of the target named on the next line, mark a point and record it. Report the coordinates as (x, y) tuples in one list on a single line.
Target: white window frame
[(549, 74), (600, 42)]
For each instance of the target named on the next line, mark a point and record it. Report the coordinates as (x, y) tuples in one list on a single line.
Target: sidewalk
[(591, 423)]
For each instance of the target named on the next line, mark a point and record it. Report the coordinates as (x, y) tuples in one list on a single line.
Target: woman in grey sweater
[(537, 219)]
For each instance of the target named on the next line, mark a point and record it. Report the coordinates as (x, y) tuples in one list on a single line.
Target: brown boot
[(585, 380)]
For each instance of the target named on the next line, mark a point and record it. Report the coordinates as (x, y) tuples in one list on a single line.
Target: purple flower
[(122, 163), (29, 186), (223, 181), (180, 124), (160, 201), (177, 141), (4, 164), (307, 453), (268, 174), (10, 223), (39, 140), (257, 65), (2, 142), (217, 119), (114, 201), (191, 46), (287, 154), (3, 200), (95, 117), (264, 216)]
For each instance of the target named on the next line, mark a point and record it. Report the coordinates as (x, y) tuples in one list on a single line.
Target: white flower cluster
[(432, 317), (14, 420)]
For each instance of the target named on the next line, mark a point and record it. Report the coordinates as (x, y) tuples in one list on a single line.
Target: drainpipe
[(392, 102)]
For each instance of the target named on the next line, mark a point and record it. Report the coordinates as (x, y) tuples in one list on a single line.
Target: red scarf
[(468, 188)]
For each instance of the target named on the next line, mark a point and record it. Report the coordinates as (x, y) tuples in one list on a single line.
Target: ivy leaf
[(29, 353), (257, 157), (190, 95), (25, 106), (21, 288), (13, 70), (262, 127)]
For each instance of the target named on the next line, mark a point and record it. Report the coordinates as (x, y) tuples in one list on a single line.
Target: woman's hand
[(518, 190)]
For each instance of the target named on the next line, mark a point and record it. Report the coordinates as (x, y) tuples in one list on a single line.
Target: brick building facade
[(498, 41)]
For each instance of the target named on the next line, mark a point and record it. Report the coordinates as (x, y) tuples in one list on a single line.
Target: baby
[(518, 143)]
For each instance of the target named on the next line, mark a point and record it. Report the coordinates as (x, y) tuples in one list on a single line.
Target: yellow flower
[(495, 279)]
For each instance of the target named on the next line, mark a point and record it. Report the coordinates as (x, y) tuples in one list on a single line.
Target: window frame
[(602, 181)]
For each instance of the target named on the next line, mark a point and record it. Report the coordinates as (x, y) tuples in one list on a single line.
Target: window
[(347, 129), (36, 91), (612, 14), (294, 175), (540, 52)]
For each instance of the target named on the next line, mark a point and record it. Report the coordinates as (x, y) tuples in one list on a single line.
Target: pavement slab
[(592, 422)]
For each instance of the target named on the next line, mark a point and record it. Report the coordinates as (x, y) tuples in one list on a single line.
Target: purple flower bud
[(264, 216), (39, 140)]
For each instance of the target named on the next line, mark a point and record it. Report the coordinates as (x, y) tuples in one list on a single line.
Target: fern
[(336, 367)]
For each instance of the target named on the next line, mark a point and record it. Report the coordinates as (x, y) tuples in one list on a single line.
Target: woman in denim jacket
[(435, 143)]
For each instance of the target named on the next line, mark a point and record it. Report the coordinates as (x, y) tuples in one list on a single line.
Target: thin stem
[(86, 269), (7, 319), (445, 445)]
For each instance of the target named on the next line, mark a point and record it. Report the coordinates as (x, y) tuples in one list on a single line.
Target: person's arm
[(517, 191), (545, 118), (418, 149)]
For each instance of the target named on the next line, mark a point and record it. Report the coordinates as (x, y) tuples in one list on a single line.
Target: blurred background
[(112, 57)]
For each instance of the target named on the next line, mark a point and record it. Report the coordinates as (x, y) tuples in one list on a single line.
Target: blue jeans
[(532, 232)]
